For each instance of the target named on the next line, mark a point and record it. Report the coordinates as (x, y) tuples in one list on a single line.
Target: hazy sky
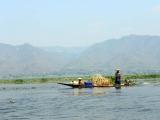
[(76, 22)]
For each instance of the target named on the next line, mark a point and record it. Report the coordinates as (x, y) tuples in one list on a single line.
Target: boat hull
[(74, 86), (84, 86)]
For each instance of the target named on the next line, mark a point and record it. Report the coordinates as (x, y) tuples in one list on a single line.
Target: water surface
[(53, 101)]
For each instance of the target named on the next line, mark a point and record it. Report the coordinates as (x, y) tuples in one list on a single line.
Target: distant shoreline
[(70, 78)]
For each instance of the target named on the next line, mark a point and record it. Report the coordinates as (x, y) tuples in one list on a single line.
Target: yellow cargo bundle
[(98, 80)]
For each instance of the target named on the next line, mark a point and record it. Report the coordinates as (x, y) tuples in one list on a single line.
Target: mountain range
[(131, 54)]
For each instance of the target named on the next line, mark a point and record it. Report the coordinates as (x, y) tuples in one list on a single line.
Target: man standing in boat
[(118, 77)]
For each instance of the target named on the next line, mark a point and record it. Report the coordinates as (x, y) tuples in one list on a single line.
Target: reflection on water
[(52, 101), (146, 83), (89, 91)]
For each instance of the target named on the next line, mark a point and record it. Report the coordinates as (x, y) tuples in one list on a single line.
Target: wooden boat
[(84, 86), (73, 85)]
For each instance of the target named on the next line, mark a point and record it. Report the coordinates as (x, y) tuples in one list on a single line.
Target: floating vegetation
[(33, 87), (18, 81), (44, 80), (17, 88), (157, 84), (70, 78), (154, 81), (3, 88), (11, 101)]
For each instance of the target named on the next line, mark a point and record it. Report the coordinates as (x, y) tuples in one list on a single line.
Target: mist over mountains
[(131, 54)]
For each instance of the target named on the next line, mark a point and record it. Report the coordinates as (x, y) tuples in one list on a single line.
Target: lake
[(51, 101)]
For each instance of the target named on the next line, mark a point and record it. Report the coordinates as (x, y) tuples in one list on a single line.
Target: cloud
[(156, 8)]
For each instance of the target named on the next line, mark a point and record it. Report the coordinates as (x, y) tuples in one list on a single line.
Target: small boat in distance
[(95, 81), (89, 85)]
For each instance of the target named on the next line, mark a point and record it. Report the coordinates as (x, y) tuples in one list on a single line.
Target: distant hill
[(129, 53), (27, 60), (69, 53), (75, 50)]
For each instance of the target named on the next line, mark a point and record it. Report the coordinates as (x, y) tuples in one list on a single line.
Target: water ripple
[(64, 103)]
